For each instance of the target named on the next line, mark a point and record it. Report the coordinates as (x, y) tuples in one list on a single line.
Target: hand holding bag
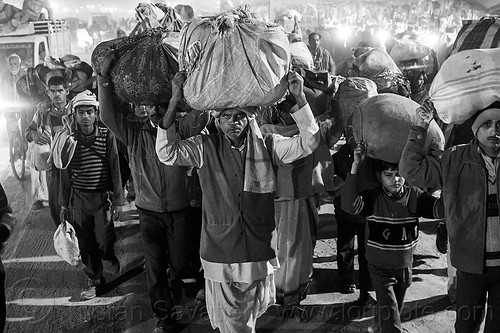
[(66, 244), (40, 157)]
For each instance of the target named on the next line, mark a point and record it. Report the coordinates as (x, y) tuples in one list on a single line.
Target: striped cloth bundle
[(478, 34), (467, 82)]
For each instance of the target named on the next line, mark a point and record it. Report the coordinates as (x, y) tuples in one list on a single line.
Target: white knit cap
[(484, 116), (85, 98)]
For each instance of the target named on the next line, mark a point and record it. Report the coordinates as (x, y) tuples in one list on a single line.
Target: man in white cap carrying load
[(469, 177), (90, 177), (235, 167)]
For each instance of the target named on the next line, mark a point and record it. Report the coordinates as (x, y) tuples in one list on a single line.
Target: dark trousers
[(164, 242), (348, 226), (95, 232), (54, 188), (390, 287), (3, 306), (472, 290), (193, 235)]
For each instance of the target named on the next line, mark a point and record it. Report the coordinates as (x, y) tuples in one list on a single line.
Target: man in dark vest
[(235, 167)]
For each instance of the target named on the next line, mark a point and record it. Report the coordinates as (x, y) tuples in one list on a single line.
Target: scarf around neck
[(259, 172)]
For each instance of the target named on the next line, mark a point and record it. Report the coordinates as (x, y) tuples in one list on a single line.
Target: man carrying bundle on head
[(468, 175), (235, 167), (162, 196)]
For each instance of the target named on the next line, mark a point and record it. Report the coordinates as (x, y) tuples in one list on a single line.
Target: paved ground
[(43, 291)]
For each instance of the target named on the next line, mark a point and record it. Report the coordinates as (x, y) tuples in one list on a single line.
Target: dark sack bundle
[(352, 92), (478, 34), (384, 121), (30, 87), (233, 60), (144, 69), (103, 48)]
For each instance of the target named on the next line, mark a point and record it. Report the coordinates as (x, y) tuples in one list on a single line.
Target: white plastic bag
[(39, 156), (66, 244)]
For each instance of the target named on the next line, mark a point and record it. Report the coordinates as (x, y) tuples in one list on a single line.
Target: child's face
[(392, 181)]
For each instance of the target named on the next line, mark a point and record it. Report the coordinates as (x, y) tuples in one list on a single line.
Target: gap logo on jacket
[(393, 224)]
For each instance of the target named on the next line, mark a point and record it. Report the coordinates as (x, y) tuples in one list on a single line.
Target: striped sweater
[(392, 221), (90, 169)]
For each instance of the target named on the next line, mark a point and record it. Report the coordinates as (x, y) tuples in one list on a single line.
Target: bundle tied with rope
[(234, 60)]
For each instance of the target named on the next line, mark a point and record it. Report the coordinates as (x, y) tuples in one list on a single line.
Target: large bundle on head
[(144, 68), (378, 66), (468, 81), (478, 34), (384, 121), (352, 92), (233, 60)]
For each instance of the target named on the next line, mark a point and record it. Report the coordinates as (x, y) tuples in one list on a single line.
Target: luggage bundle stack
[(77, 73)]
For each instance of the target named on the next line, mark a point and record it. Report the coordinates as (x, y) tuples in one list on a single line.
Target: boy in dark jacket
[(392, 212)]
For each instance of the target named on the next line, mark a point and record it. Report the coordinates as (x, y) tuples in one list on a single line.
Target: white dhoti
[(235, 306)]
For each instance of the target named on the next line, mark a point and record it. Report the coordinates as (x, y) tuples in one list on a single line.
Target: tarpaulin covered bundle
[(478, 34), (378, 66), (233, 60), (384, 121), (467, 82), (352, 92), (407, 49), (144, 69)]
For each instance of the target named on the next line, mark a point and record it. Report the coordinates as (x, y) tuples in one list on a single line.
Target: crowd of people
[(233, 203)]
